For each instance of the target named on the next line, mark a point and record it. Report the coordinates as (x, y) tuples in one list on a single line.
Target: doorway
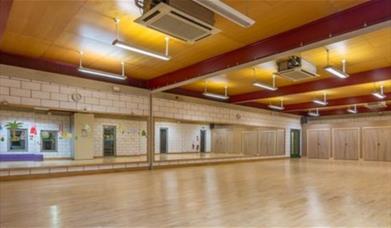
[(109, 141), (202, 141), (295, 143), (163, 140)]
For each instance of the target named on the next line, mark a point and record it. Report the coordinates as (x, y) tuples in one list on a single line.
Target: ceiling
[(362, 53), (58, 30)]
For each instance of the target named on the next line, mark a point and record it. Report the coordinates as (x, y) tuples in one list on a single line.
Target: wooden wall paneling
[(250, 142), (280, 143), (376, 143), (318, 143), (324, 144), (222, 141), (267, 142), (312, 143), (387, 143), (370, 137), (346, 143)]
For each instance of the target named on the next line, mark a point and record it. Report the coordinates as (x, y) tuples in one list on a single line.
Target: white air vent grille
[(295, 68), (296, 74), (173, 22)]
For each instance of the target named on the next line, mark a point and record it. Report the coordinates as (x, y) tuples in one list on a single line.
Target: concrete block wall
[(42, 122), (36, 93), (37, 88), (129, 139), (182, 136)]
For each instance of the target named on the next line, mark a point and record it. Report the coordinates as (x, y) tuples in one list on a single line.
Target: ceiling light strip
[(226, 11)]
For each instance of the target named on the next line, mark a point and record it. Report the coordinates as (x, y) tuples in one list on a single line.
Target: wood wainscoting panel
[(280, 144), (250, 142), (318, 143), (267, 142), (346, 143), (376, 143)]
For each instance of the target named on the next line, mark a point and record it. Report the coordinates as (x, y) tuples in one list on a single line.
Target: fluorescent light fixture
[(314, 113), (352, 110), (276, 107), (101, 73), (226, 11), (317, 101), (264, 86), (336, 72), (214, 95), (379, 94), (139, 50), (321, 102)]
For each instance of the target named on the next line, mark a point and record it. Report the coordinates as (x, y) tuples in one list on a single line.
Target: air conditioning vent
[(177, 23), (296, 69), (376, 105)]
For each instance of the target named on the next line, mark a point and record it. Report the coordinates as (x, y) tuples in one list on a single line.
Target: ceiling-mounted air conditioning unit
[(182, 19), (295, 68), (376, 105)]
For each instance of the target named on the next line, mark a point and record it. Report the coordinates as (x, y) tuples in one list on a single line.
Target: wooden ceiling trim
[(381, 74), (5, 8), (60, 68), (335, 102), (352, 19)]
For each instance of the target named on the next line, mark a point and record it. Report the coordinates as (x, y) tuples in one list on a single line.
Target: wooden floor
[(113, 160), (270, 193)]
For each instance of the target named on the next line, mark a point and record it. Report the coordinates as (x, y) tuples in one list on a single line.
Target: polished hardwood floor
[(269, 193)]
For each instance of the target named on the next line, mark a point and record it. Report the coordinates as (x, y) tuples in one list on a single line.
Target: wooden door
[(266, 142), (280, 143), (346, 143), (324, 144), (386, 144), (370, 137), (318, 143), (312, 143), (250, 142)]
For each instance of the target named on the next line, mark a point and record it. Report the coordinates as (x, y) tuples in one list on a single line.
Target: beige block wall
[(129, 140), (33, 88)]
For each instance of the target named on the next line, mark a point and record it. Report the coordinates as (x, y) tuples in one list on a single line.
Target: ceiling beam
[(60, 68), (334, 102), (381, 74), (5, 9), (336, 25)]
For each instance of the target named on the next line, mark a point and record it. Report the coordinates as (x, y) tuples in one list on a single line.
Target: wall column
[(150, 134)]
